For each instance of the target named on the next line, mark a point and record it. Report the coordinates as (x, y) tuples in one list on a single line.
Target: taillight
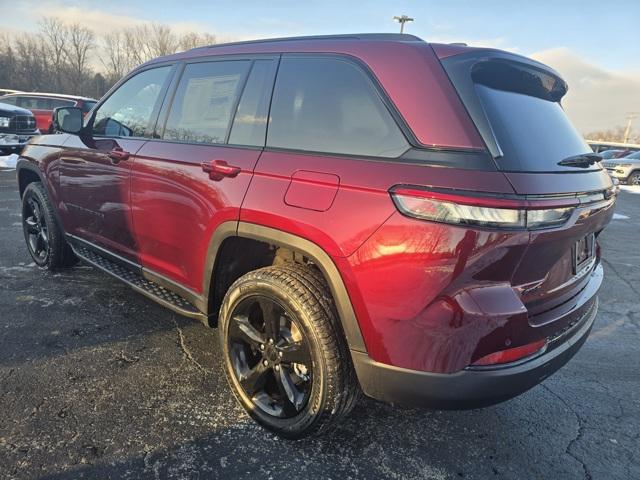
[(511, 354), (467, 208)]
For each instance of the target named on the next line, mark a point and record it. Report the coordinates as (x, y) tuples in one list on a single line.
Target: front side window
[(87, 106), (9, 100), (205, 100), (330, 105), (127, 112)]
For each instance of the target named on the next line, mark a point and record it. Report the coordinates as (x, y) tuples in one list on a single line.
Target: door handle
[(218, 169), (118, 155)]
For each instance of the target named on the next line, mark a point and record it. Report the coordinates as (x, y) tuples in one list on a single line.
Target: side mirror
[(67, 120)]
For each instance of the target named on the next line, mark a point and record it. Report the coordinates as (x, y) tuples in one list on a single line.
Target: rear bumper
[(471, 387)]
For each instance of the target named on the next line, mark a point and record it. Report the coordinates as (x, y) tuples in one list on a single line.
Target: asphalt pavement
[(98, 382)]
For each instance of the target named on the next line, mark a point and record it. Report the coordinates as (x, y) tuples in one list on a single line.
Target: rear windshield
[(515, 104), (534, 134)]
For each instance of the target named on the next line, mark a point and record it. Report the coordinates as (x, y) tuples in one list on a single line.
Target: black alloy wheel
[(270, 356), (36, 230)]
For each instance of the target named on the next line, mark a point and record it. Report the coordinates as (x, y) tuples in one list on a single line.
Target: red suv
[(355, 213), (43, 104)]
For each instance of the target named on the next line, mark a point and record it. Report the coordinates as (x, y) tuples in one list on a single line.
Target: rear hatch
[(515, 103)]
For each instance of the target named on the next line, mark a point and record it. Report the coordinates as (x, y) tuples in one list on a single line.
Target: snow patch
[(9, 161), (631, 188), (619, 216)]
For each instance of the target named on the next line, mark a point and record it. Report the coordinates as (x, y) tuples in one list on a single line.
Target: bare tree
[(81, 41), (60, 56), (56, 37), (33, 67), (193, 40), (116, 58), (615, 134)]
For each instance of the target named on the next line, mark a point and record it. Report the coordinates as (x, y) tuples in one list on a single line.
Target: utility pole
[(631, 116), (402, 20)]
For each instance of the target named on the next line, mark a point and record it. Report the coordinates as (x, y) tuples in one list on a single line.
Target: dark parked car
[(43, 104), (17, 126), (354, 213)]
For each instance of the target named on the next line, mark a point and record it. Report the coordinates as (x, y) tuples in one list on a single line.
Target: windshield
[(534, 134)]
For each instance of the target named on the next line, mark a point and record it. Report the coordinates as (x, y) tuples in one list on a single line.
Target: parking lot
[(98, 382)]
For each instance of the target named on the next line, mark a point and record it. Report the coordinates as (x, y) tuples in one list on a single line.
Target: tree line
[(70, 58)]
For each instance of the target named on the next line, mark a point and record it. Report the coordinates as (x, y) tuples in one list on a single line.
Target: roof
[(389, 37), (328, 43), (54, 95)]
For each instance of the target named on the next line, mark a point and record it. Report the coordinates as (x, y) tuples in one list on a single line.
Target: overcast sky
[(595, 45)]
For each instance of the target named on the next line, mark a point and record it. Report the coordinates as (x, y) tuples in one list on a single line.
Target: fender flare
[(309, 249)]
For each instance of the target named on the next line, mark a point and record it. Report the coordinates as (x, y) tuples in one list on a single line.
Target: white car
[(625, 169)]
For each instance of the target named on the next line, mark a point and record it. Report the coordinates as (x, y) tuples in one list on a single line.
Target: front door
[(95, 168)]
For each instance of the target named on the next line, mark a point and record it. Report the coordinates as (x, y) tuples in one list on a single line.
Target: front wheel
[(634, 178), (284, 352), (45, 240)]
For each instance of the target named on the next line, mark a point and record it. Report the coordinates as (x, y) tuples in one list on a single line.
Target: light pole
[(630, 118), (402, 20)]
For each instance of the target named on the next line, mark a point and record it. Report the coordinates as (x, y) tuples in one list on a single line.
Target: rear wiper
[(584, 160)]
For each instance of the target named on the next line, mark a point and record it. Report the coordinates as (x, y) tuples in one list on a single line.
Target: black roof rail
[(397, 37)]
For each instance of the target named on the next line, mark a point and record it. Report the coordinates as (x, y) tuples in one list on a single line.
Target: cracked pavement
[(98, 382)]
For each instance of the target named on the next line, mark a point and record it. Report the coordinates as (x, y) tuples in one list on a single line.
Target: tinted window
[(87, 106), (35, 103), (58, 102), (205, 100), (250, 122), (533, 133), (9, 100), (634, 156), (330, 105), (127, 112)]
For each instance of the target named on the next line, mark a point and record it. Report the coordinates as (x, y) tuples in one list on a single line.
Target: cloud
[(598, 98), (99, 21)]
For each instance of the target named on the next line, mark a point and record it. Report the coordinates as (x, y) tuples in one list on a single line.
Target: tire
[(45, 240), (634, 178), (322, 386)]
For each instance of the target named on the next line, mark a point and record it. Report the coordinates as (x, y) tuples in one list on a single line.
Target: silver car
[(625, 169)]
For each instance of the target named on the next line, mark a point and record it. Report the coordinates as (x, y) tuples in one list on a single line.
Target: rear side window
[(35, 103), (329, 105), (58, 102), (205, 101), (128, 111)]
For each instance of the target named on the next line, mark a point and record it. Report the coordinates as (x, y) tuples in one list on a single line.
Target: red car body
[(435, 313), (43, 104)]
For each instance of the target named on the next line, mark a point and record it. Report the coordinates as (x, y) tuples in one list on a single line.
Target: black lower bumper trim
[(467, 388)]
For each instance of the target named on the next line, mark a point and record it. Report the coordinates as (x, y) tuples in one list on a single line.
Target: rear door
[(194, 176), (516, 105)]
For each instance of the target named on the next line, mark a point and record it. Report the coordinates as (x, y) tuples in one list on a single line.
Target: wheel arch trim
[(306, 247)]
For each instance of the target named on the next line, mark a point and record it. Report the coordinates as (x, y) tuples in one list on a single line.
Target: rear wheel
[(285, 356), (634, 178), (45, 240)]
